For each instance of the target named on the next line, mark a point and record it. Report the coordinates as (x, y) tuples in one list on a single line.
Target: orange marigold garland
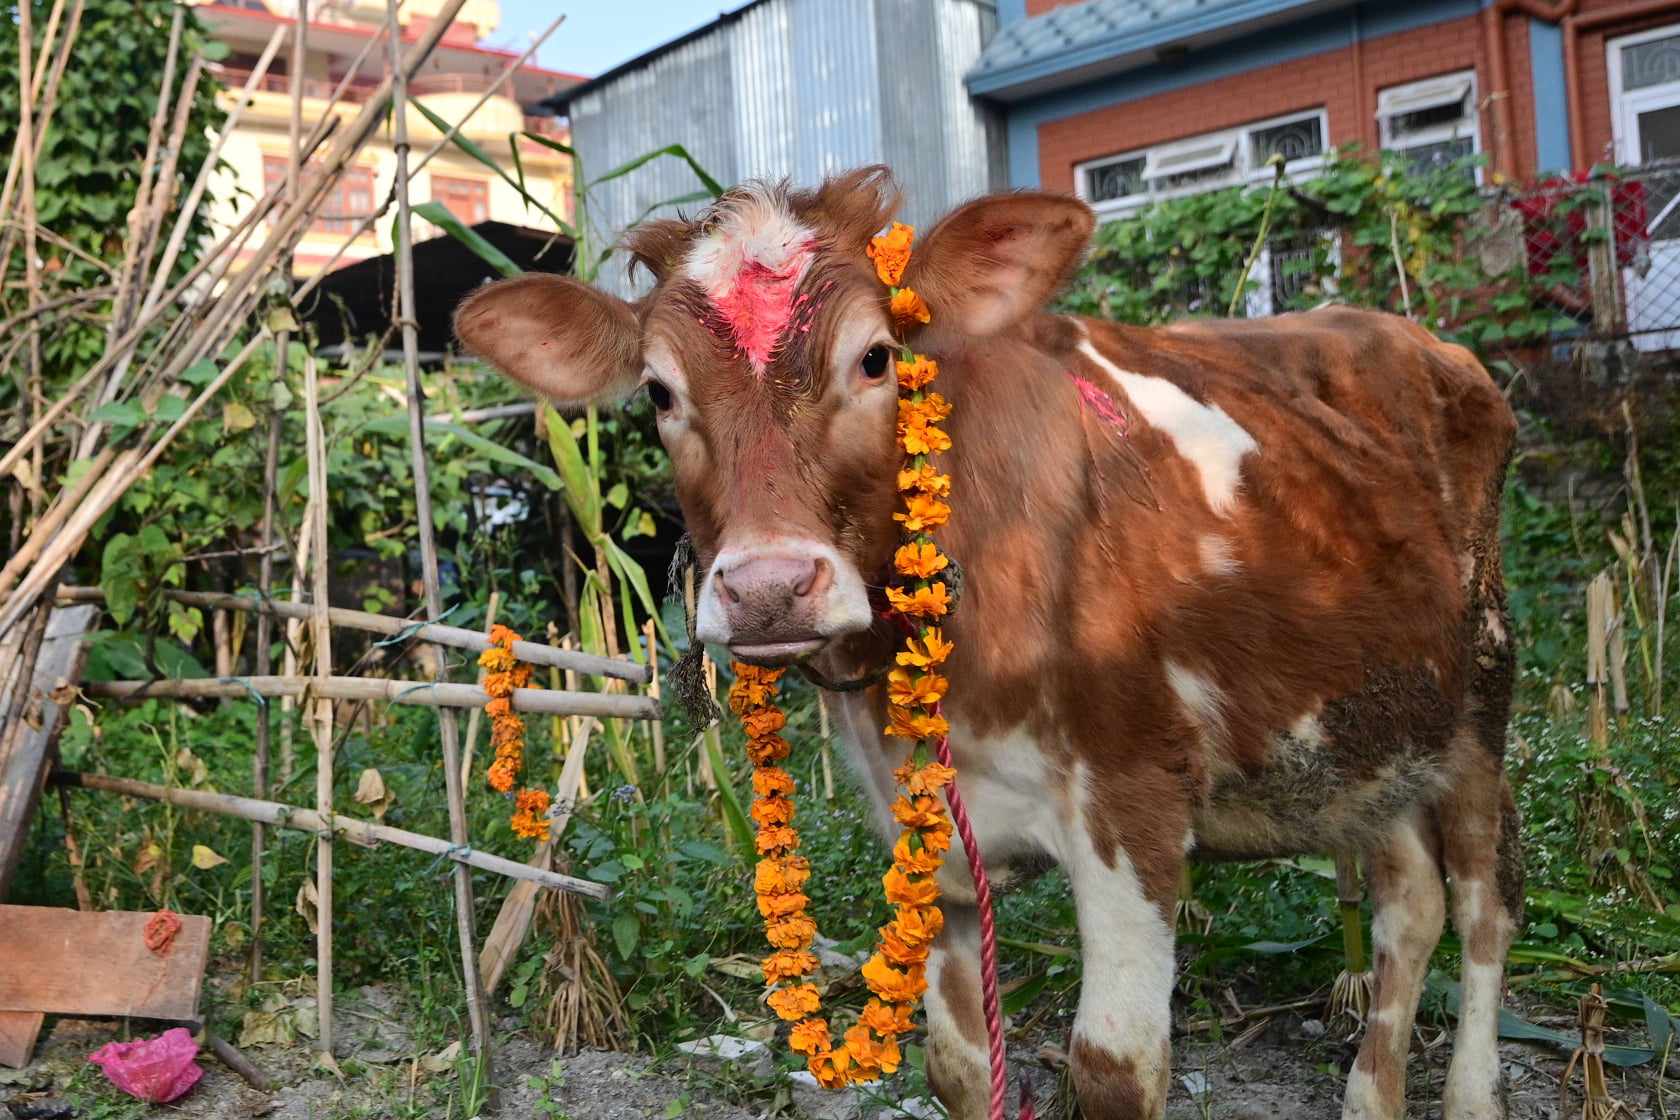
[(503, 673), (897, 973)]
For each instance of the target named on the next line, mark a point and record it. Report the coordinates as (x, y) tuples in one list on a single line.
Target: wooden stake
[(264, 663), (322, 723), (827, 751), (707, 778), (426, 694), (650, 636), (478, 1012), (364, 833), (476, 715)]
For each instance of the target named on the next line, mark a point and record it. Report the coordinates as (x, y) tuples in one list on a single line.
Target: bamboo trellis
[(157, 330)]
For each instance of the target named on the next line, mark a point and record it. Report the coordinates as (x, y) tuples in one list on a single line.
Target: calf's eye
[(659, 395), (875, 362)]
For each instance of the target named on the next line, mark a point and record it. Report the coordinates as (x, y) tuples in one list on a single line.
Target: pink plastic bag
[(154, 1069)]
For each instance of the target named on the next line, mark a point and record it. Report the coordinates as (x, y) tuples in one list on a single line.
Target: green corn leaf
[(487, 160), (734, 815), (630, 572), (676, 151), (396, 427), (439, 216), (580, 494)]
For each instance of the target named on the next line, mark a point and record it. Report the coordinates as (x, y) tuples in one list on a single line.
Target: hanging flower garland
[(505, 672), (897, 973)]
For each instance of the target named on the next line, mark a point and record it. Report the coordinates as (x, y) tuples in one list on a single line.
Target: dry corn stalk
[(1596, 1101), (583, 1005), (1350, 995)]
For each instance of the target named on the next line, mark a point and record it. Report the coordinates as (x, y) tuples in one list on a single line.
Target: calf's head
[(768, 352)]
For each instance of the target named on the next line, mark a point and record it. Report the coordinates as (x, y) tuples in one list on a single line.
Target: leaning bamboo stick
[(321, 640), (650, 636), (32, 272), (309, 820), (478, 1011), (475, 717), (264, 662), (53, 520), (425, 694), (430, 632)]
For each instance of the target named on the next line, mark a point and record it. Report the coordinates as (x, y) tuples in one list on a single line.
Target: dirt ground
[(1283, 1069)]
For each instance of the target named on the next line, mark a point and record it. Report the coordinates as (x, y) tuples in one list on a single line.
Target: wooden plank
[(18, 1032), (24, 757), (71, 962)]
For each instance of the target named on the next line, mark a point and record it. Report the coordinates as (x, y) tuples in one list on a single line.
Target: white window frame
[(1411, 97), (1234, 148), (1625, 106)]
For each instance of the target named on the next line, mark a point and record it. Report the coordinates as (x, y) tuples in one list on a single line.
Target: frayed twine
[(686, 679)]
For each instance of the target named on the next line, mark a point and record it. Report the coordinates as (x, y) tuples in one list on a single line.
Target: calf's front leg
[(958, 1068), (1121, 1051)]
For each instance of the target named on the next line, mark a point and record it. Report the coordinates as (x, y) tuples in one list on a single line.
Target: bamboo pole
[(432, 633), (322, 723), (478, 1012), (32, 273), (367, 833), (48, 526), (475, 717), (264, 662), (826, 748), (650, 636), (294, 641)]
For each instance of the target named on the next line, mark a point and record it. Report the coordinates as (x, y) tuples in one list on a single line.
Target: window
[(1645, 121), (1432, 121), (347, 203), (467, 199), (1116, 185)]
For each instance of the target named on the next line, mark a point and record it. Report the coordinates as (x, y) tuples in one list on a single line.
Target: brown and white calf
[(1231, 589)]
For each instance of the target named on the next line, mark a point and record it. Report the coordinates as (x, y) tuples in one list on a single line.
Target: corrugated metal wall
[(801, 89)]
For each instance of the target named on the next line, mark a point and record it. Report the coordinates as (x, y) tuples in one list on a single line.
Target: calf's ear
[(569, 342), (996, 260)]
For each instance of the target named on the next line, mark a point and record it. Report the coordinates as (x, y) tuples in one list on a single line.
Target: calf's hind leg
[(1481, 847), (1408, 902)]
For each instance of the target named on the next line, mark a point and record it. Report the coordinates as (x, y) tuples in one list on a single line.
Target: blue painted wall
[(1332, 31), (1551, 100), (1011, 11)]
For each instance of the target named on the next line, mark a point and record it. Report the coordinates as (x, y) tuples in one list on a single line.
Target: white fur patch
[(1203, 433), (1203, 700), (845, 607), (1216, 555), (753, 228)]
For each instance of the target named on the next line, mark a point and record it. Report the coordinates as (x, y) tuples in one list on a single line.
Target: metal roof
[(1081, 42)]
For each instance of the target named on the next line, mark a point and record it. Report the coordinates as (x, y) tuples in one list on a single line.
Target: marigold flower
[(899, 951), (916, 725), (902, 890), (891, 252), (770, 781), (504, 731), (746, 671), (502, 773), (499, 708), (926, 479), (782, 905), (907, 306), (928, 778), (497, 660), (917, 373), (893, 984), (920, 861), (831, 1067), (932, 650), (936, 838), (776, 836), (766, 721), (771, 810), (766, 749), (521, 674), (789, 964), (502, 636), (923, 511), (809, 1037), (788, 873), (794, 932), (923, 812), (796, 1002), (932, 405), (919, 437), (919, 559), (919, 925), (530, 818), (744, 695), (886, 1019), (872, 1057), (499, 684), (923, 602), (911, 690)]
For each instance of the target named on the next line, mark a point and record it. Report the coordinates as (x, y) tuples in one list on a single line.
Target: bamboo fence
[(235, 299)]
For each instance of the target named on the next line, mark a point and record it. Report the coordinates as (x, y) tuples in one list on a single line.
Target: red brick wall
[(1326, 79), (1039, 7)]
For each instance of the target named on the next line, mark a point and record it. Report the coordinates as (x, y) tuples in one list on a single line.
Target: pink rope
[(988, 938)]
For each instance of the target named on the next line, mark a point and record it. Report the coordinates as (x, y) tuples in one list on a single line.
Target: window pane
[(1120, 179), (1651, 64), (1659, 134), (1407, 123), (1292, 140), (1440, 155)]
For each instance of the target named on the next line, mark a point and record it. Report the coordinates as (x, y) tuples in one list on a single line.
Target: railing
[(317, 88), (456, 83)]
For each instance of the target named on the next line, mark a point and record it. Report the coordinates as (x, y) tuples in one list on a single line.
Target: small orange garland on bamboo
[(505, 672), (897, 973)]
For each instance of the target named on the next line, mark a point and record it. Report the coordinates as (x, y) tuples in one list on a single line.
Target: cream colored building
[(450, 83)]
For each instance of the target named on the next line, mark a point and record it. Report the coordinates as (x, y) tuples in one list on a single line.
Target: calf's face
[(769, 355)]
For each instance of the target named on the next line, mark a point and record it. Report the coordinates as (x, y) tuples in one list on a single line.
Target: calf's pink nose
[(773, 596)]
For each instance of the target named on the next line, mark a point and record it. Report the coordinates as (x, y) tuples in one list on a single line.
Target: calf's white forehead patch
[(1204, 434), (750, 264)]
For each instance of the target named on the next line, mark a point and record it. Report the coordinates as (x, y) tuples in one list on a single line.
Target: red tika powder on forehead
[(757, 307)]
